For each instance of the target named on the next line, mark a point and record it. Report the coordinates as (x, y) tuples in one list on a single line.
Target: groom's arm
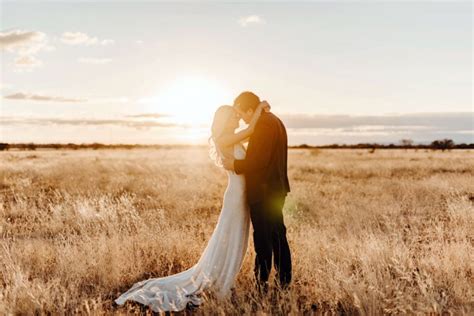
[(259, 150)]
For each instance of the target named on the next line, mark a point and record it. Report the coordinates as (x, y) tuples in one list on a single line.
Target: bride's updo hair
[(219, 123)]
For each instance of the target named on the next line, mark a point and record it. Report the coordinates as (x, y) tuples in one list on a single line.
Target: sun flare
[(190, 100)]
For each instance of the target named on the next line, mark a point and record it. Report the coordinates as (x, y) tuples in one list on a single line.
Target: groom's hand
[(228, 164), (265, 106)]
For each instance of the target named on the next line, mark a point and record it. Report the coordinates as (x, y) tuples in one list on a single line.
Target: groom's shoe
[(282, 283)]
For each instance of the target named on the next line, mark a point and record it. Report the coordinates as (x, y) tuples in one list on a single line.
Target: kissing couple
[(256, 191)]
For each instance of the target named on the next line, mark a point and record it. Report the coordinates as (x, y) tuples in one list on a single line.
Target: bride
[(222, 258)]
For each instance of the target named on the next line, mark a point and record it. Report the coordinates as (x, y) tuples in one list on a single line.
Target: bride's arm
[(229, 140)]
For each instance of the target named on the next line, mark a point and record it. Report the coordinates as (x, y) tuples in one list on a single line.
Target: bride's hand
[(264, 106)]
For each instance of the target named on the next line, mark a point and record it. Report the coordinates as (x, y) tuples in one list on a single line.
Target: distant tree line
[(441, 144), (93, 146)]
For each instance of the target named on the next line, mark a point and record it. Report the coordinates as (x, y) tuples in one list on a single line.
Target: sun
[(190, 100)]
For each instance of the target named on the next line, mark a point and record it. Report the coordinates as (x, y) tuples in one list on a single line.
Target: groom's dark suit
[(265, 170)]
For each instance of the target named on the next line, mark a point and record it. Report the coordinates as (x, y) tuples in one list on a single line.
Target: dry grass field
[(389, 232)]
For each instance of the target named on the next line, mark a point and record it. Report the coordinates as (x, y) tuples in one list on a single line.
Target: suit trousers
[(269, 235)]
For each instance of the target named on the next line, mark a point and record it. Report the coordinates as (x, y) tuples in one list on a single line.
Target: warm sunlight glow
[(190, 100)]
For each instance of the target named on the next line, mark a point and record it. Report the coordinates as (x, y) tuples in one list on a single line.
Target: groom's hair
[(247, 100)]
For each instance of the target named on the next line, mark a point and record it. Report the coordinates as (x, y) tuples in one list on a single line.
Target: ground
[(389, 231)]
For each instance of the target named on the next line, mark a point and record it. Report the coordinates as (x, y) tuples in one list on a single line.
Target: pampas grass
[(388, 232)]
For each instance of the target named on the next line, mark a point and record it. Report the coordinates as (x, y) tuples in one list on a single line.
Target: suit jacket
[(265, 165)]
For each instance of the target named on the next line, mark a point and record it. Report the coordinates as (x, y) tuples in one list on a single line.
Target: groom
[(265, 170)]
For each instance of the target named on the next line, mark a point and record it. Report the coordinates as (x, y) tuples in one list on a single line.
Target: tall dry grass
[(387, 232)]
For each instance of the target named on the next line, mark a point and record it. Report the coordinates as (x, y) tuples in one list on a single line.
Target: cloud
[(41, 97), (25, 44), (309, 129), (251, 19), (110, 100), (432, 121), (421, 127), (37, 97), (96, 61), (107, 42), (86, 122), (27, 61), (148, 115), (79, 38), (18, 38)]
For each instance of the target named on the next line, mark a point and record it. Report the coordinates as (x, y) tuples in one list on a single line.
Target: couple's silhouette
[(256, 191)]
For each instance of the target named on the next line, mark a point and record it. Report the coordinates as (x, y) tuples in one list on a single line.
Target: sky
[(154, 73)]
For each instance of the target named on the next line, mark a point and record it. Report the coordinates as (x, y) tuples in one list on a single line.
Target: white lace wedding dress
[(219, 263)]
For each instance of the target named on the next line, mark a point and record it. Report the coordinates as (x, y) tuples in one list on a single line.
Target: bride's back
[(236, 182)]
